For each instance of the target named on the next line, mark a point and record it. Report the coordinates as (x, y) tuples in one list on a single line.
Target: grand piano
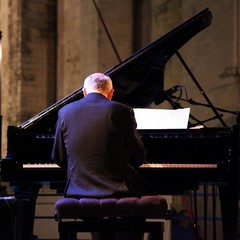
[(193, 155)]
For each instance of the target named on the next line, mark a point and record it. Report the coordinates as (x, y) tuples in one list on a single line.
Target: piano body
[(194, 155)]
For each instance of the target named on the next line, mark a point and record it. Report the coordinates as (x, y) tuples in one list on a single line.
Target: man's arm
[(59, 155)]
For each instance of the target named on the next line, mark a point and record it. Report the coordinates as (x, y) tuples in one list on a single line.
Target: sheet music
[(161, 118)]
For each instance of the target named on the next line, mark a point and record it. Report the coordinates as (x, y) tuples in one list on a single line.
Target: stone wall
[(84, 46), (29, 59)]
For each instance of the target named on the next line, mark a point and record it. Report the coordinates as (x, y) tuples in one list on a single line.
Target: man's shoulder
[(69, 106), (120, 105)]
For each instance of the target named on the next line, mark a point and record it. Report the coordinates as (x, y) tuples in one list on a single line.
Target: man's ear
[(84, 92), (110, 94)]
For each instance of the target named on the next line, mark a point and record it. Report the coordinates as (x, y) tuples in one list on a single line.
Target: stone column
[(83, 44), (29, 59)]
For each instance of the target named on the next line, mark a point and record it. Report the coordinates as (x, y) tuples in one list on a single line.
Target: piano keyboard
[(42, 165), (145, 165), (177, 165)]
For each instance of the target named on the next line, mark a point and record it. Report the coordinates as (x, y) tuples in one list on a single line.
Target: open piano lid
[(137, 80)]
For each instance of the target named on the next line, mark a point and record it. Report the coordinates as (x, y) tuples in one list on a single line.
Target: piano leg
[(229, 207), (27, 194)]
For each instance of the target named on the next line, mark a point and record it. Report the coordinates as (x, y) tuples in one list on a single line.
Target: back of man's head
[(98, 82)]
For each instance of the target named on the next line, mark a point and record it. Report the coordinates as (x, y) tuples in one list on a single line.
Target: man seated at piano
[(96, 139)]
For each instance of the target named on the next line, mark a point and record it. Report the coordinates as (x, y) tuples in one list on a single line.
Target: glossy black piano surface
[(213, 146)]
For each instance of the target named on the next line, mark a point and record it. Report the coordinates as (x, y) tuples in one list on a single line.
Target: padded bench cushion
[(145, 206)]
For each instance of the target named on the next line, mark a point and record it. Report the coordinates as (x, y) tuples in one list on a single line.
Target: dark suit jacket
[(98, 142)]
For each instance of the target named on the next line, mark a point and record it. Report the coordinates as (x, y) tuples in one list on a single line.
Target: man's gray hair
[(98, 82)]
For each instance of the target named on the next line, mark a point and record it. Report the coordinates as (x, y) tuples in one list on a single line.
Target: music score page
[(161, 118)]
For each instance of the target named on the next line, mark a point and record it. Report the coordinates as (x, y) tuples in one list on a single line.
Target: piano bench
[(126, 214)]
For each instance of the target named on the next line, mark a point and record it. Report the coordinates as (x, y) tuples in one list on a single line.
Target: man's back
[(101, 140)]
